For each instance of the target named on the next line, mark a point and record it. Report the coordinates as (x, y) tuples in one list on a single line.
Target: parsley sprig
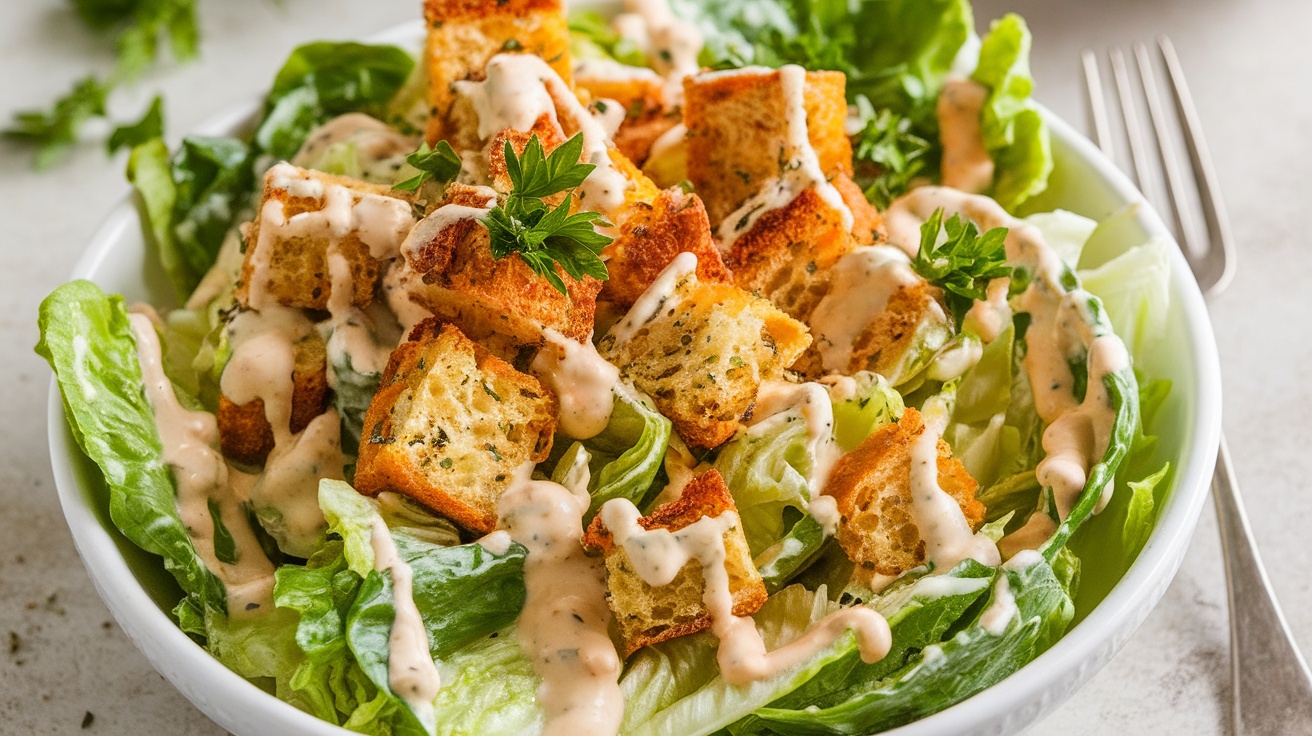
[(888, 154), (440, 163), (964, 263), (139, 29), (541, 235)]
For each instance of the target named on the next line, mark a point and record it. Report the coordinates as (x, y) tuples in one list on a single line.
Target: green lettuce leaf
[(190, 201), (591, 37), (489, 687), (768, 470), (1135, 289), (86, 337), (1014, 131), (973, 659), (873, 404), (324, 79), (626, 457)]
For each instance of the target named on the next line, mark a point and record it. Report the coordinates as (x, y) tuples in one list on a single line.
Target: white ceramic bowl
[(140, 594)]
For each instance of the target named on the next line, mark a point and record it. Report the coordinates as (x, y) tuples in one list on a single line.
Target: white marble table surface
[(61, 655)]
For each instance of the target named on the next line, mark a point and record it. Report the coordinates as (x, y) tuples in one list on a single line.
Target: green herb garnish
[(54, 131), (150, 126), (545, 236), (964, 264), (441, 164), (888, 154)]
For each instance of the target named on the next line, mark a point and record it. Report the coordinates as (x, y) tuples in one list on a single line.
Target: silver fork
[(1270, 681)]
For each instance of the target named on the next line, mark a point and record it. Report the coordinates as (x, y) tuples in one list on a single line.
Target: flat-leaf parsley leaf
[(543, 236), (440, 163), (964, 263)]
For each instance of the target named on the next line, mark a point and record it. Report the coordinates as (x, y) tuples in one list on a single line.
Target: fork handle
[(1272, 685)]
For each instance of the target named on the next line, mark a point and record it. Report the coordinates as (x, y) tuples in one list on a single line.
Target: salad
[(700, 369)]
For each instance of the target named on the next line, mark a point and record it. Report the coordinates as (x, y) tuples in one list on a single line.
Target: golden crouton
[(738, 130), (300, 221), (913, 314), (648, 615), (651, 237), (464, 34), (872, 485), (786, 255), (637, 134), (487, 297), (547, 133), (638, 90), (244, 432), (702, 354), (450, 425)]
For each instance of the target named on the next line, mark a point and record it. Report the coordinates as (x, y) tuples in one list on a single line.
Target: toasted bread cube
[(637, 89), (245, 434), (450, 425), (303, 217), (738, 131), (651, 238), (787, 254), (488, 297), (872, 486), (701, 351), (649, 615), (464, 34), (637, 135)]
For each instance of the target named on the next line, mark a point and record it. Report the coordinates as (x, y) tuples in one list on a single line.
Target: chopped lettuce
[(88, 340), (872, 404), (945, 673), (191, 200), (324, 79), (768, 469), (626, 457), (1013, 128), (1135, 289), (489, 687)]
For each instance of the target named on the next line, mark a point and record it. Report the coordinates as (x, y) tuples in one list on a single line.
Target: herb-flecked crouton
[(488, 298), (306, 216), (651, 238), (245, 434), (464, 34), (872, 486), (701, 350), (450, 426), (738, 132), (649, 615)]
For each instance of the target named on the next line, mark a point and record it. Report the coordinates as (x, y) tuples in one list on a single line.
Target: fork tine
[(1214, 212), (1130, 115), (1102, 130), (1166, 151)]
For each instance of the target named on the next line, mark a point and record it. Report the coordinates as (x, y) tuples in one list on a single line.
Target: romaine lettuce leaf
[(1014, 132), (1135, 289), (323, 79), (946, 673), (489, 687), (626, 457), (768, 470), (873, 403), (88, 340), (191, 200)]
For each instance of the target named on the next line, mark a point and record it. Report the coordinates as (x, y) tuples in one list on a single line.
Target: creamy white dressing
[(563, 627), (662, 293), (937, 515), (671, 44), (609, 114), (411, 673), (428, 229), (518, 90), (825, 511), (512, 95), (800, 168), (966, 162), (1002, 610), (657, 556), (350, 332), (378, 149), (1077, 432), (953, 361), (990, 316), (942, 586), (583, 381), (496, 542), (862, 283), (189, 439), (398, 283), (261, 367), (779, 402)]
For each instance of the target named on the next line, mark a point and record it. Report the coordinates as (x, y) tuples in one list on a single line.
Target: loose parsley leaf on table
[(441, 163), (151, 125), (54, 131), (964, 264), (545, 236)]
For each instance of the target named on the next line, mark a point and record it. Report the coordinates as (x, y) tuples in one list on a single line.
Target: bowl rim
[(1072, 660)]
